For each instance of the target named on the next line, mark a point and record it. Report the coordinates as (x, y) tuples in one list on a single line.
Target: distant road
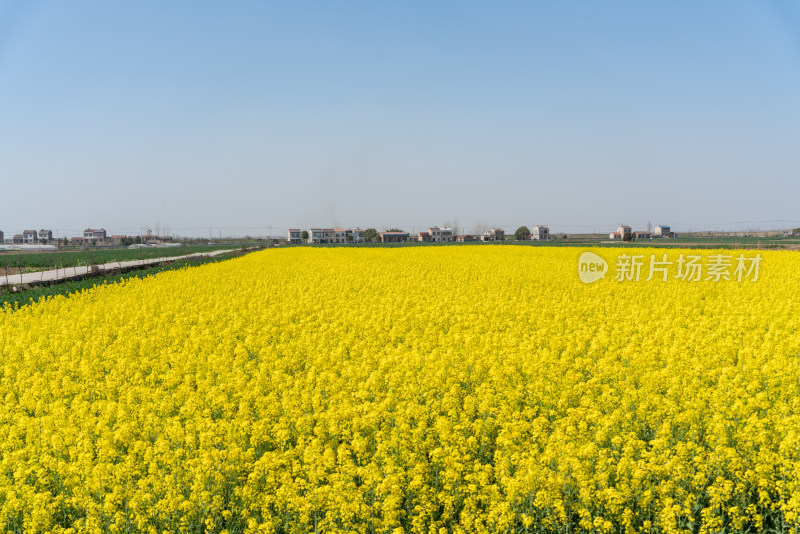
[(57, 275)]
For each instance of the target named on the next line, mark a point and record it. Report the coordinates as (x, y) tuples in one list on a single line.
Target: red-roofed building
[(623, 232)]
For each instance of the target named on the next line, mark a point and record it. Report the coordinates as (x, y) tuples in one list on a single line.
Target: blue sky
[(243, 116)]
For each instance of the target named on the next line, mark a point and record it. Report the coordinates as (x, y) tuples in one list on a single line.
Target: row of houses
[(321, 236), (443, 235), (33, 237), (625, 233), (434, 234), (91, 236), (29, 237)]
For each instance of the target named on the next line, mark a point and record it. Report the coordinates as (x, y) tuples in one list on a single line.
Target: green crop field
[(738, 240), (34, 294), (38, 261)]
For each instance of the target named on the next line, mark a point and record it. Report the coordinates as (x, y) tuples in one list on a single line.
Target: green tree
[(370, 235), (304, 235), (522, 233)]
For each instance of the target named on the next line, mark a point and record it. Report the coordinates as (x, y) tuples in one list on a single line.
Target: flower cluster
[(452, 389)]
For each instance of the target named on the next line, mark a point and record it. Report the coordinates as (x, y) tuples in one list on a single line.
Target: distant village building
[(316, 236), (118, 239), (322, 236), (540, 233), (623, 232), (642, 235), (295, 236), (18, 239), (494, 234), (663, 231), (91, 234), (393, 237), (440, 235), (2, 237), (356, 235), (45, 236), (465, 238), (436, 235), (29, 237)]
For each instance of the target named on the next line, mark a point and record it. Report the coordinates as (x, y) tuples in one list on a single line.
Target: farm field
[(470, 389), (68, 287), (37, 261)]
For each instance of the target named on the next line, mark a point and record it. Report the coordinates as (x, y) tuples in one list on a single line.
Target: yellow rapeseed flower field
[(422, 389)]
